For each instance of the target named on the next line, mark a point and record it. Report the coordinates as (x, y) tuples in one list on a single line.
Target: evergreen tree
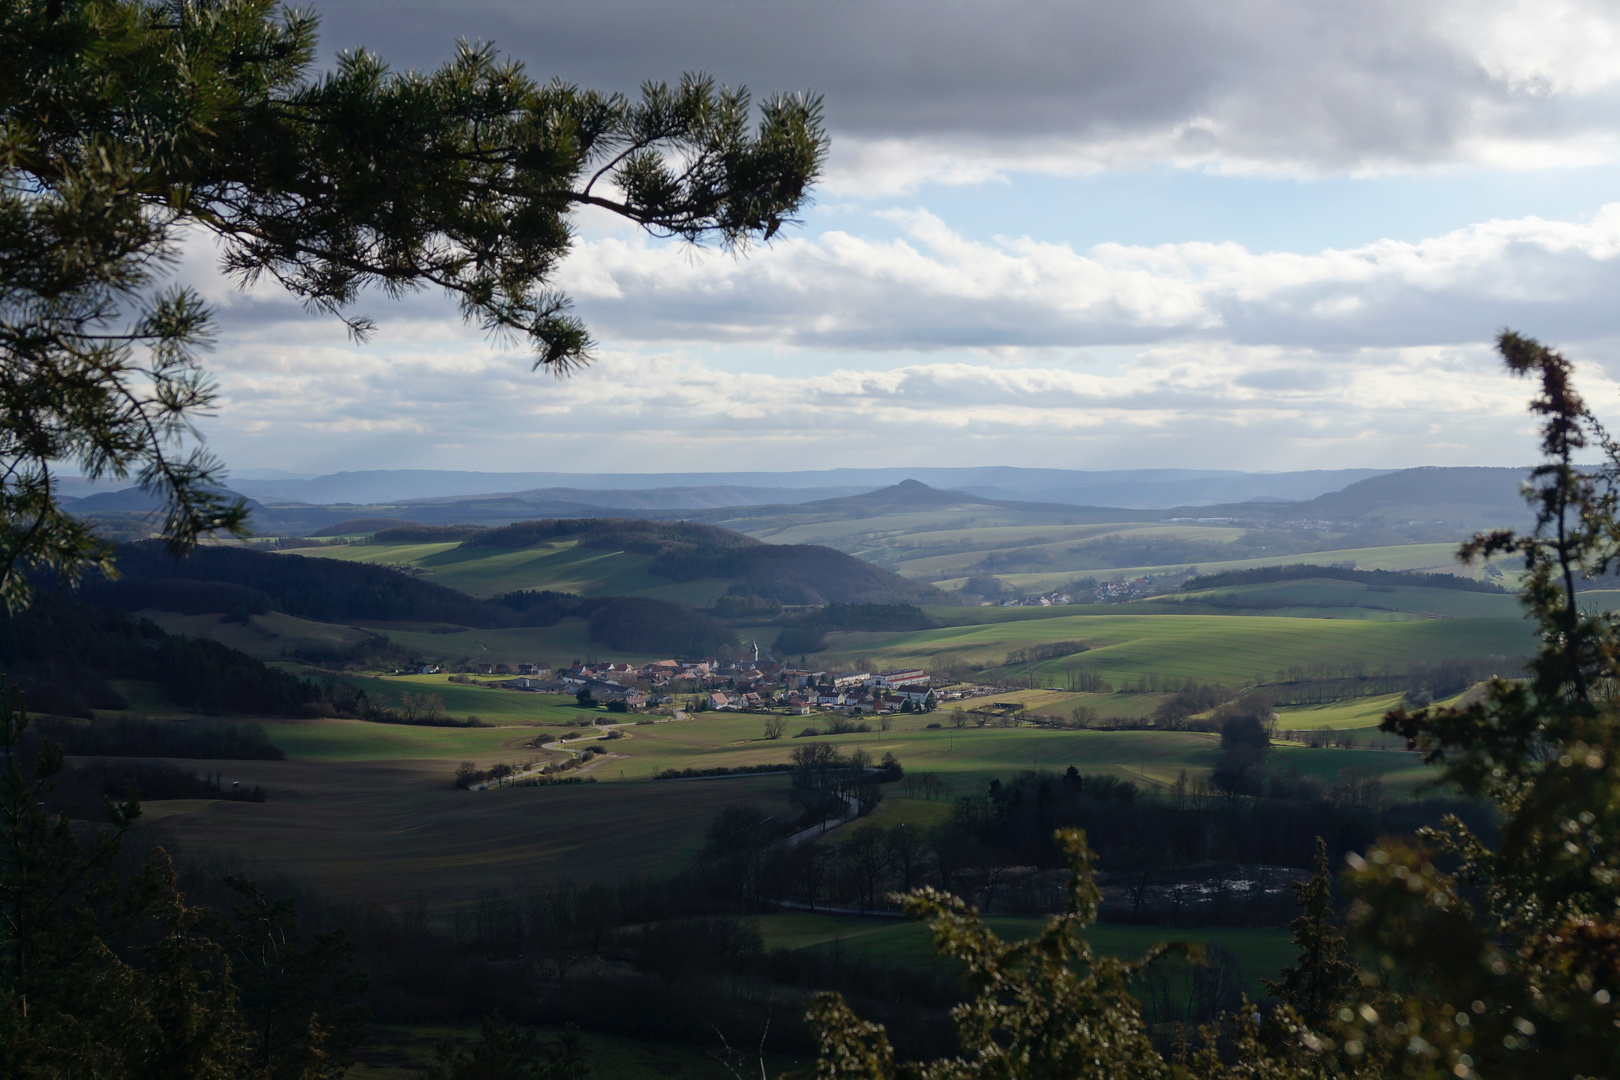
[(99, 977), (300, 1003), (1508, 966), (1320, 978), (1047, 1008), (125, 124), (505, 1051)]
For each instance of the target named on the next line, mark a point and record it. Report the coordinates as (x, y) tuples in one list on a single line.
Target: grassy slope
[(483, 572), (1357, 714), (399, 1052), (1431, 558), (491, 703), (395, 831), (968, 758), (1262, 951), (1434, 603), (1065, 545), (560, 567), (270, 637), (1205, 647)]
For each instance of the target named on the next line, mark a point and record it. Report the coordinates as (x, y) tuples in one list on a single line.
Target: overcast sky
[(1249, 235)]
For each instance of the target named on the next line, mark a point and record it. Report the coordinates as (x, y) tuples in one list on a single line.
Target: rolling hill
[(681, 561)]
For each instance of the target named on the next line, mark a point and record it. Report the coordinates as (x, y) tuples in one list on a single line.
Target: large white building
[(894, 680)]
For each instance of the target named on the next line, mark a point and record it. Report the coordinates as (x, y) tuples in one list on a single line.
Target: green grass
[(1260, 951), (399, 1052), (1356, 714), (362, 740), (490, 703), (1402, 772), (1065, 545), (274, 636), (1327, 593), (566, 641), (1211, 648), (485, 571), (395, 831), (1431, 558), (967, 759)]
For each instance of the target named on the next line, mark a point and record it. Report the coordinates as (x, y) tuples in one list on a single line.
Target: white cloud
[(843, 349), (934, 289), (1226, 405)]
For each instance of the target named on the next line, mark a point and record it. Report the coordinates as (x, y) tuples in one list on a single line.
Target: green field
[(561, 567), (398, 1052), (1354, 715), (965, 759), (1215, 648), (395, 831), (490, 703), (1260, 951), (1427, 558), (271, 637), (368, 811), (1346, 596)]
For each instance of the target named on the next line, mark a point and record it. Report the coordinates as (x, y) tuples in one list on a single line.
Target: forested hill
[(325, 590), (231, 579), (688, 551), (62, 652), (911, 497), (621, 534)]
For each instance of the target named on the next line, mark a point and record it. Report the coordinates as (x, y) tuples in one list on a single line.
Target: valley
[(447, 764)]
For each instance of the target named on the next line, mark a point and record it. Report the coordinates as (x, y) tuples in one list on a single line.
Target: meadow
[(944, 548), (400, 1052), (369, 811), (1261, 951), (1213, 648), (395, 831), (1425, 558), (560, 567)]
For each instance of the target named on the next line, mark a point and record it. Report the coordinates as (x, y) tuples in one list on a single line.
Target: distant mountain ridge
[(1129, 488), (1464, 498)]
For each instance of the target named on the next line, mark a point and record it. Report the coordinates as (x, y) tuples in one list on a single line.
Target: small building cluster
[(734, 685)]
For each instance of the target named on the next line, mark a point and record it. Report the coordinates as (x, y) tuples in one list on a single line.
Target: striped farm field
[(1213, 648), (1429, 558), (1261, 952), (966, 759)]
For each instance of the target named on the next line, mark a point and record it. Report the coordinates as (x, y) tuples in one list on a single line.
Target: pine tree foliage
[(1509, 965), (1044, 1008), (128, 127), (1050, 1009), (299, 1001), (70, 1004), (114, 977), (1322, 976), (508, 1051)]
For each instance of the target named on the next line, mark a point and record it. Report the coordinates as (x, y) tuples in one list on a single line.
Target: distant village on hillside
[(745, 685)]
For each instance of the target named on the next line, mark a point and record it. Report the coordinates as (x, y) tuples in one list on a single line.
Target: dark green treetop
[(1508, 965), (1320, 979), (129, 126)]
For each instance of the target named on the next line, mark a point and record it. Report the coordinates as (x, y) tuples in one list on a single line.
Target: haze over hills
[(1130, 488), (1428, 503)]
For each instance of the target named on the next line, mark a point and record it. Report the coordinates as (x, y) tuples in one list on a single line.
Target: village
[(750, 684)]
